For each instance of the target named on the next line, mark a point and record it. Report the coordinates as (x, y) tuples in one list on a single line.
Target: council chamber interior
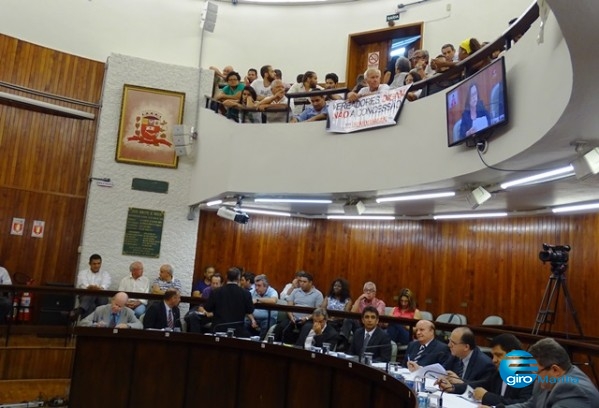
[(53, 165)]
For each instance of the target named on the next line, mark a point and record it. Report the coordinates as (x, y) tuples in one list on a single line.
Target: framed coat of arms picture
[(146, 127)]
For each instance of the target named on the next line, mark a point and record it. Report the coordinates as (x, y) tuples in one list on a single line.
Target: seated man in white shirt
[(95, 280), (317, 331), (373, 81), (277, 100), (137, 283)]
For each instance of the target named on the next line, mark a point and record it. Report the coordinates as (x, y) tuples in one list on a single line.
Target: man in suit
[(468, 366), (496, 391), (165, 314), (230, 305), (426, 349), (558, 383), (115, 314), (317, 332), (371, 338)]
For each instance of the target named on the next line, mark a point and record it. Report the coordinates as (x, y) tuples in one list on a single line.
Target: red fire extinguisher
[(24, 313)]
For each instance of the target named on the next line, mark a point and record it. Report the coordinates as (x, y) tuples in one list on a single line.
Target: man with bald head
[(165, 281), (115, 314), (136, 282), (426, 349)]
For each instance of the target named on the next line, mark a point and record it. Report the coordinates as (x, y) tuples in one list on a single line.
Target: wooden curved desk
[(142, 369)]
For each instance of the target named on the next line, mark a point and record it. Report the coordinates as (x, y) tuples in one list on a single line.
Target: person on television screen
[(475, 116)]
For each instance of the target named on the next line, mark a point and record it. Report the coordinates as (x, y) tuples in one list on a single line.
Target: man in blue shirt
[(262, 292), (316, 111)]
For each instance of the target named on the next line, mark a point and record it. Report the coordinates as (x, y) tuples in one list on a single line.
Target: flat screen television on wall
[(477, 105)]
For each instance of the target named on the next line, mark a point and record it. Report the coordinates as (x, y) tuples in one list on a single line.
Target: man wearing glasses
[(559, 383), (469, 365)]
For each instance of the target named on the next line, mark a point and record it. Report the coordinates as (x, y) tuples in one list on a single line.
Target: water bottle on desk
[(422, 400)]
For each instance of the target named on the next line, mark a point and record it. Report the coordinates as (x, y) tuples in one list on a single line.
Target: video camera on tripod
[(557, 255)]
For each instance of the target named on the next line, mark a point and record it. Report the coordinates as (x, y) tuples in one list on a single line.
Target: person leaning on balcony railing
[(276, 100), (318, 110), (467, 47), (373, 85)]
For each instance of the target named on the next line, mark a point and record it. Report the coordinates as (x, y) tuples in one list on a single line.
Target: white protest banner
[(371, 111)]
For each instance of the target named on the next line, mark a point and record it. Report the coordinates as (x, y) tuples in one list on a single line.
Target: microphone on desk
[(365, 349), (452, 387)]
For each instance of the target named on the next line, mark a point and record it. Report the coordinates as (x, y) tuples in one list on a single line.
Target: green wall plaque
[(154, 186), (143, 232)]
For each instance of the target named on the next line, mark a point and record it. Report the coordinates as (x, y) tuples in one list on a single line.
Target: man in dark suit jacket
[(317, 331), (378, 343), (157, 314), (230, 305), (434, 351), (495, 391), (468, 366)]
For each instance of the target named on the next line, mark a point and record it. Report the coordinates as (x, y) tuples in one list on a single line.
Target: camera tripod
[(546, 315)]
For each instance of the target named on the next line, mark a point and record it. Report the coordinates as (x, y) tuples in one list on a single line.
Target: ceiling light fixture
[(361, 217), (574, 208), (293, 200), (469, 215), (422, 196), (556, 174), (587, 165), (215, 202), (265, 212), (477, 197)]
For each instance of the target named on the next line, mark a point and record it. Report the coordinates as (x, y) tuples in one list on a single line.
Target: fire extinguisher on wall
[(25, 313)]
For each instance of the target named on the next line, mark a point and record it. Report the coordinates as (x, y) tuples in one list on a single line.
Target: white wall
[(107, 207), (292, 38)]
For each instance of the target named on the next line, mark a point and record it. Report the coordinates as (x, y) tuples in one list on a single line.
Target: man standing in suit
[(115, 314), (230, 305), (317, 332), (165, 314), (496, 391), (371, 338), (426, 349), (469, 365)]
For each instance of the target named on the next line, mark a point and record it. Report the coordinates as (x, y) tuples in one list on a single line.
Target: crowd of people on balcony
[(267, 98)]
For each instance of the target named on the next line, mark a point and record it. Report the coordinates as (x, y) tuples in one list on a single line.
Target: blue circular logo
[(518, 369)]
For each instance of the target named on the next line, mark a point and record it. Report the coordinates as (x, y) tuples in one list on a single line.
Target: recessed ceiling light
[(361, 217), (423, 196), (556, 174), (469, 215), (293, 200), (574, 208)]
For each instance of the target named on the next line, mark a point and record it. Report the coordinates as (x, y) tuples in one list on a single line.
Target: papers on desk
[(430, 371)]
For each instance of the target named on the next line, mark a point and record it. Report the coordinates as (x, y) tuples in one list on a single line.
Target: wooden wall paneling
[(106, 378), (51, 362), (344, 399), (217, 390), (491, 266), (312, 379), (157, 385), (254, 390), (46, 159)]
